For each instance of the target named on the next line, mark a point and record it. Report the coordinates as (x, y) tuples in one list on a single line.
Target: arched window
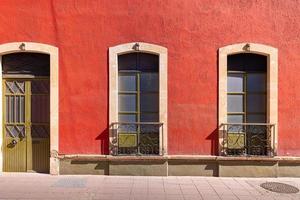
[(138, 102), (246, 88), (248, 116), (138, 99)]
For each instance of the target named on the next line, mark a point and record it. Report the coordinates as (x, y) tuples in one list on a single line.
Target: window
[(246, 88), (248, 100), (138, 102), (138, 88), (246, 103), (138, 99)]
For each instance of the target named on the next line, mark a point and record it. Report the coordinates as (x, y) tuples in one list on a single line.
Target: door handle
[(14, 142)]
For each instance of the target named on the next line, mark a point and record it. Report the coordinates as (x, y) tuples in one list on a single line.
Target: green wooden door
[(26, 125)]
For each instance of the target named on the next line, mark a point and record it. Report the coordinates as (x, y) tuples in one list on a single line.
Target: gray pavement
[(42, 186)]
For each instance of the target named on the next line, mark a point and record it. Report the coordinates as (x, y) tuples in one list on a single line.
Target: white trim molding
[(162, 52), (272, 83), (16, 47)]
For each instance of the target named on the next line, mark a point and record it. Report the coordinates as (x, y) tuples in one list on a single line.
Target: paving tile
[(173, 191), (210, 197), (189, 191), (228, 197), (208, 192), (192, 197), (246, 197), (282, 197), (155, 197), (224, 192), (174, 197), (139, 191), (241, 192), (35, 186), (156, 191)]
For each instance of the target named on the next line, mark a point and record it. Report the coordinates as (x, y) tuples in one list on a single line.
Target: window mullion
[(138, 111), (245, 97)]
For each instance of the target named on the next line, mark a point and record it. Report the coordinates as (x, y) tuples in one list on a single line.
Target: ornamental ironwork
[(248, 139), (137, 138)]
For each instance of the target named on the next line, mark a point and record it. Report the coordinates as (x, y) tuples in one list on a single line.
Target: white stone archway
[(162, 52), (16, 47)]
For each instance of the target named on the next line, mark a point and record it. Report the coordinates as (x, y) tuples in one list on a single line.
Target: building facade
[(183, 87)]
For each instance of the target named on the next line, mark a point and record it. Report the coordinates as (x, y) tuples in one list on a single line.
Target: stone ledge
[(191, 157), (247, 158), (180, 165), (94, 157)]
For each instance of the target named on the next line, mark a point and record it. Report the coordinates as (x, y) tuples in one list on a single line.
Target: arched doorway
[(26, 110), (30, 106)]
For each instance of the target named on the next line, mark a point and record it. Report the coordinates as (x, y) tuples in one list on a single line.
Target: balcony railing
[(248, 139), (138, 138)]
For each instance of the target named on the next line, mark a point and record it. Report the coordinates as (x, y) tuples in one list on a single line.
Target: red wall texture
[(192, 30)]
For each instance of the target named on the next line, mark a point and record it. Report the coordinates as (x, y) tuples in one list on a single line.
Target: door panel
[(26, 128), (40, 120), (14, 126)]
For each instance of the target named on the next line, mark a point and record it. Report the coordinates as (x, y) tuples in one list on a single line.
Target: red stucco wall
[(192, 30)]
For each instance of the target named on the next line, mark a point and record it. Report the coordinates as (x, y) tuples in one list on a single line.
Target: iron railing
[(248, 139), (136, 138)]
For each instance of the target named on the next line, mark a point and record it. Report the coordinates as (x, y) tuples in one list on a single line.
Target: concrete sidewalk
[(41, 186)]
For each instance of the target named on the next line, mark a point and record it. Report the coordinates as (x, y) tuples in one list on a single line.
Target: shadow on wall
[(213, 137), (103, 137)]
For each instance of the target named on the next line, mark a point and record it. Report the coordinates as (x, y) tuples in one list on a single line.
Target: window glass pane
[(127, 82), (40, 87), (235, 103), (235, 83), (13, 87), (149, 102), (125, 128), (256, 118), (40, 109), (138, 61), (149, 117), (10, 109), (235, 119), (148, 62), (127, 61), (40, 131), (127, 118), (256, 82), (127, 102), (256, 103), (149, 82), (247, 62), (26, 63), (22, 109), (15, 131)]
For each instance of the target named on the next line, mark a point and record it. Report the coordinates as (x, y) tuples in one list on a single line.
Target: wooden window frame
[(245, 94)]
